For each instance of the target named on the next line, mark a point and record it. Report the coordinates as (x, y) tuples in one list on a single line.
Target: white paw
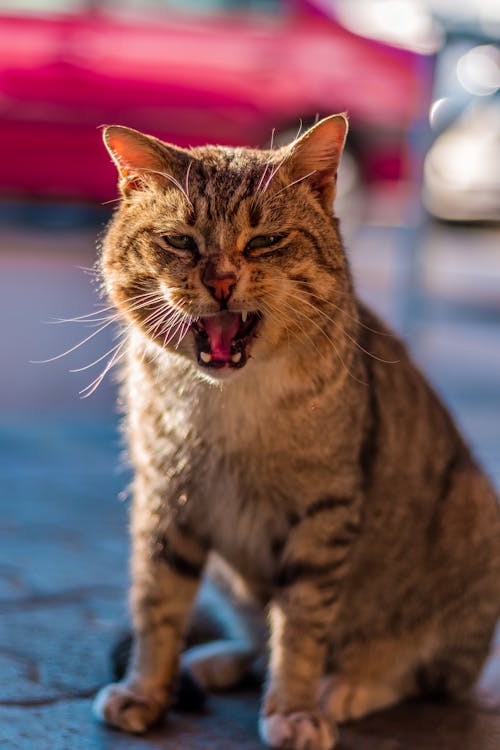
[(121, 707), (301, 730)]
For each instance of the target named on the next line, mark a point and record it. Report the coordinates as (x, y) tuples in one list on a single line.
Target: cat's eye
[(181, 245), (180, 241), (264, 241)]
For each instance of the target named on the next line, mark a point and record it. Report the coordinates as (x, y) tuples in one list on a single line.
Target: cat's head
[(227, 256)]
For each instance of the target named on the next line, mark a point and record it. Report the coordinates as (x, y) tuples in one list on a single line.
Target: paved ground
[(63, 511)]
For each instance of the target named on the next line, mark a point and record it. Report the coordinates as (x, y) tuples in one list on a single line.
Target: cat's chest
[(245, 510), (248, 468), (249, 534)]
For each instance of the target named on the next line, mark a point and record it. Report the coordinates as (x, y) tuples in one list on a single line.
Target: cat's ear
[(140, 159), (317, 154)]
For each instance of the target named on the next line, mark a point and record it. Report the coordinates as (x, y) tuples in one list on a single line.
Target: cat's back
[(431, 525)]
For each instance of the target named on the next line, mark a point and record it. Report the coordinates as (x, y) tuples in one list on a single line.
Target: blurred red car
[(225, 76)]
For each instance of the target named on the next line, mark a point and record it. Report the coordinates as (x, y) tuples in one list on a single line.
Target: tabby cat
[(275, 423)]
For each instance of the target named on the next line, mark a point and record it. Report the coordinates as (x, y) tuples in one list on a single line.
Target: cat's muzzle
[(223, 339)]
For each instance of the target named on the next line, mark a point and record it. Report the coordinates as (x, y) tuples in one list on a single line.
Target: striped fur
[(324, 480)]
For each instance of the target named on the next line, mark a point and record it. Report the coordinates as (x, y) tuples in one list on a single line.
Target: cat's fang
[(236, 357), (244, 316), (205, 357)]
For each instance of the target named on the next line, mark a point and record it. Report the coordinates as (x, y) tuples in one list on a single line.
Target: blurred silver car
[(462, 167)]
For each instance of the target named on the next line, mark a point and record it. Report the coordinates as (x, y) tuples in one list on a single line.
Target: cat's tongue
[(221, 330)]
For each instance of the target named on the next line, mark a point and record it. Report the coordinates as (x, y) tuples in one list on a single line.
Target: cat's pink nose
[(220, 285)]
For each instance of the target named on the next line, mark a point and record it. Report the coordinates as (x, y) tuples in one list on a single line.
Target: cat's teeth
[(236, 357), (244, 316), (205, 357)]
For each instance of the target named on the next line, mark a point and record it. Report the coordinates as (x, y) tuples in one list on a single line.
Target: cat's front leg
[(290, 716), (303, 613), (166, 569)]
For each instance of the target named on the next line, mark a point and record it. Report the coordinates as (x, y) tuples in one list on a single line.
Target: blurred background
[(419, 190), (419, 199)]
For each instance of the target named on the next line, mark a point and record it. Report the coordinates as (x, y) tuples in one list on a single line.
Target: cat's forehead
[(228, 168), (225, 183), (231, 159)]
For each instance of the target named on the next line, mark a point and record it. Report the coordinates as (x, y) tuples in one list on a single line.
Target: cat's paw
[(300, 730), (344, 700), (218, 665), (126, 709)]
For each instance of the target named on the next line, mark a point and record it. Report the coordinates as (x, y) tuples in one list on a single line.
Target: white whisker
[(296, 324), (172, 180), (275, 171), (92, 387), (89, 317), (295, 182), (171, 333), (262, 178), (328, 301), (101, 311), (96, 361), (279, 165), (188, 170), (184, 329), (89, 323), (322, 331), (165, 323), (86, 269), (73, 348), (339, 325)]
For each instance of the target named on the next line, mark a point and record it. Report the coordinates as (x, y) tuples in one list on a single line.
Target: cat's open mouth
[(223, 340)]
